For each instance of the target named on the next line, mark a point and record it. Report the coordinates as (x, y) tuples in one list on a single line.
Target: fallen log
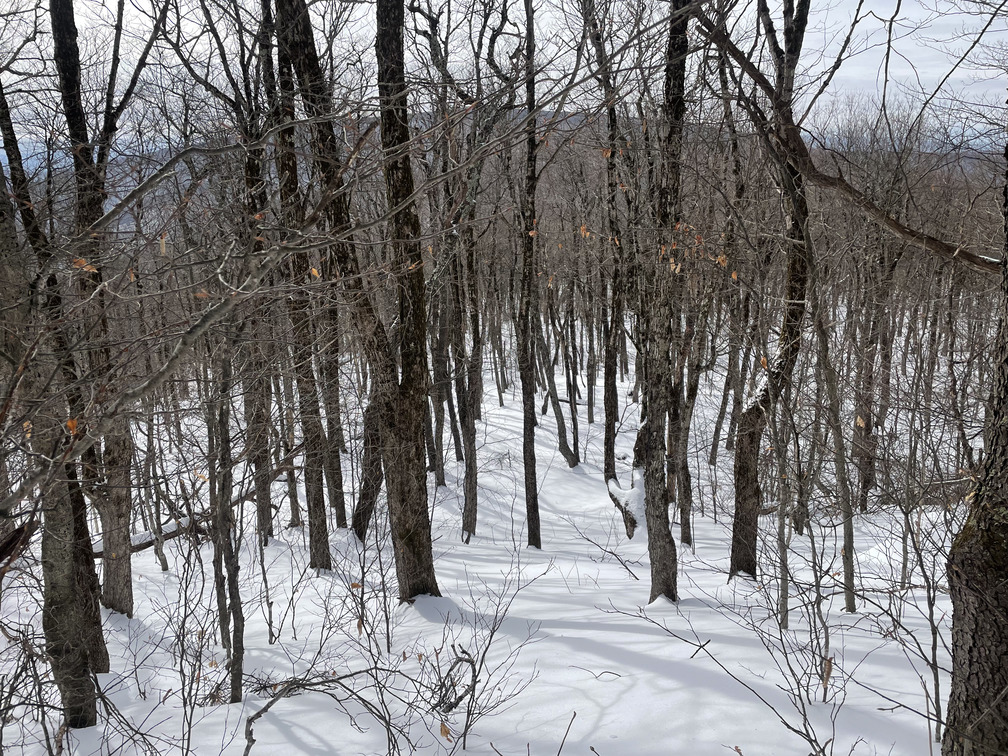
[(181, 525)]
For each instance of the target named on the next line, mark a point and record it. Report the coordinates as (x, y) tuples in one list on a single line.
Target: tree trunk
[(404, 401), (89, 181), (528, 297), (650, 447), (13, 327), (225, 552), (257, 398), (313, 436), (828, 376), (285, 422), (778, 374), (464, 375), (400, 403), (328, 358), (657, 286), (553, 397), (440, 388), (115, 508), (798, 248), (64, 613), (977, 721), (371, 472), (71, 619), (613, 324)]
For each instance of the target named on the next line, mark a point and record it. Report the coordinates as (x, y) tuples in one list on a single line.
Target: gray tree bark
[(977, 719)]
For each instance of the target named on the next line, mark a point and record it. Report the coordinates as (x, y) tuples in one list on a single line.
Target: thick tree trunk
[(977, 721), (71, 618), (404, 401), (745, 525), (650, 448), (64, 615)]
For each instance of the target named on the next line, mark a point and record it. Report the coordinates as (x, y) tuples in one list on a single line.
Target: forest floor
[(571, 657)]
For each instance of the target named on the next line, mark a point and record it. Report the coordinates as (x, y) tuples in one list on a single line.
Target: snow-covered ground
[(570, 657)]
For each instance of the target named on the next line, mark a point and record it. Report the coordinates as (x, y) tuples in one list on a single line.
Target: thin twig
[(567, 733)]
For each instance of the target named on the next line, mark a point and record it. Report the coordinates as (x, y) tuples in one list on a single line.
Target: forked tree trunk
[(71, 619), (548, 369), (777, 370), (89, 181), (654, 314), (777, 374), (399, 402)]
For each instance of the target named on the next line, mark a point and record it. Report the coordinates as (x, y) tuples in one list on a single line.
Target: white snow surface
[(586, 665)]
